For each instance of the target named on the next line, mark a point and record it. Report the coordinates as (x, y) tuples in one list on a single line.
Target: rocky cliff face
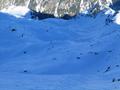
[(71, 7), (59, 7), (7, 3)]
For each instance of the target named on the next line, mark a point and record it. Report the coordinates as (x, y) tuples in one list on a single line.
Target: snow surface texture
[(54, 54)]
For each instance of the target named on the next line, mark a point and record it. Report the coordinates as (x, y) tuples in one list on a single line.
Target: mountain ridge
[(59, 8)]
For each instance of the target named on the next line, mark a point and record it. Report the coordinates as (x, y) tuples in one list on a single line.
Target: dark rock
[(110, 51), (113, 80), (78, 57), (108, 69), (96, 53), (118, 80), (117, 65), (68, 17), (40, 16), (25, 71), (24, 52), (13, 30)]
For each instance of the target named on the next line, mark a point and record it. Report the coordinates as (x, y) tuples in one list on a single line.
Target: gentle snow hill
[(55, 54)]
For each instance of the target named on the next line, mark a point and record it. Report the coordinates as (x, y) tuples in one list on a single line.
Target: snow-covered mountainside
[(54, 54)]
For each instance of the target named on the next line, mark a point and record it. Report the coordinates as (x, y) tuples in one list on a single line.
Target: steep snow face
[(54, 54)]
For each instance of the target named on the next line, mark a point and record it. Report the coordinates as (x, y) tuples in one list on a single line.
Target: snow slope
[(17, 11), (54, 54)]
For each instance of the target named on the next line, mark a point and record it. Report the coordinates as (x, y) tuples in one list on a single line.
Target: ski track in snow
[(54, 54)]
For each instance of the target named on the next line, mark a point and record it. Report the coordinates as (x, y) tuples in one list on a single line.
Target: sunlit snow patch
[(117, 18), (109, 12), (17, 11)]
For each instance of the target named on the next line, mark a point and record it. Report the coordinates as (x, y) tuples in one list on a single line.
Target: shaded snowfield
[(54, 54)]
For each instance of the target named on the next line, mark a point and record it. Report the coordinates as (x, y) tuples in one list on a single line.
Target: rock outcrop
[(71, 7), (59, 8), (7, 3)]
